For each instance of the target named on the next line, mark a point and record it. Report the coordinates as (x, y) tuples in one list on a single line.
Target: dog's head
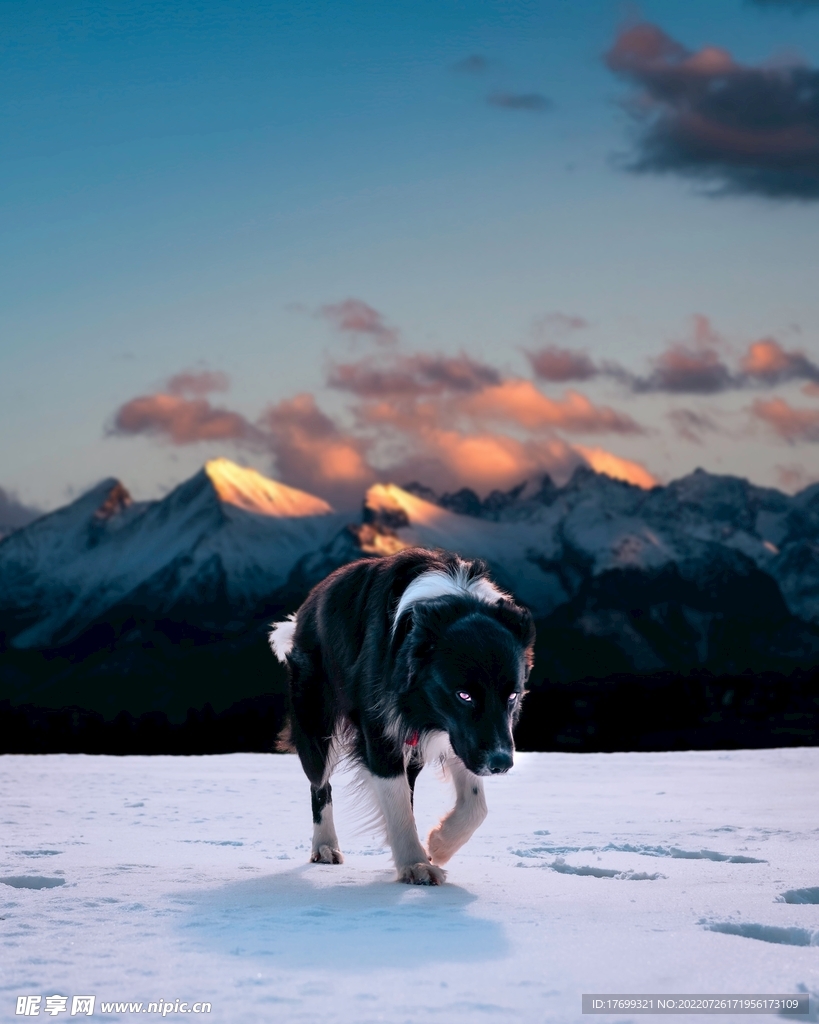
[(468, 665)]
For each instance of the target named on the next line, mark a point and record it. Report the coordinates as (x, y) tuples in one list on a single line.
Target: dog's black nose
[(499, 761)]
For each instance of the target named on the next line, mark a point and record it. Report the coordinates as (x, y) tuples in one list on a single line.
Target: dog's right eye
[(464, 696)]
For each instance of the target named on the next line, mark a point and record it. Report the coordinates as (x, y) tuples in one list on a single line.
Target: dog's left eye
[(464, 696), (512, 698)]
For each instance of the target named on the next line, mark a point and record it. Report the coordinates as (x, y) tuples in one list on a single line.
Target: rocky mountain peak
[(116, 500)]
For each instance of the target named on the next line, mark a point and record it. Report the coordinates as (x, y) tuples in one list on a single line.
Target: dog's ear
[(520, 624), (411, 645), (416, 637), (422, 634)]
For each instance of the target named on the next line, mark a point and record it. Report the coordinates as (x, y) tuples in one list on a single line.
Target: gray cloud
[(415, 375), (690, 425), (533, 101), (794, 5), (684, 370), (741, 129), (354, 316), (198, 382), (560, 365), (474, 64)]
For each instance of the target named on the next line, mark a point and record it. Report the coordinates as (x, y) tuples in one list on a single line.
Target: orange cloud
[(790, 424), (180, 420), (765, 358), (313, 453), (447, 459), (421, 416), (519, 401), (768, 361)]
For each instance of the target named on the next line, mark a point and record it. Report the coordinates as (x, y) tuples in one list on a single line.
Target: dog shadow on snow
[(324, 917)]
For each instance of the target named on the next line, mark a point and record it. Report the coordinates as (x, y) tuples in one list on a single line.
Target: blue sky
[(186, 187)]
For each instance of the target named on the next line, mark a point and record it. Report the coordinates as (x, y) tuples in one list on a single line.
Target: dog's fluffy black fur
[(394, 661)]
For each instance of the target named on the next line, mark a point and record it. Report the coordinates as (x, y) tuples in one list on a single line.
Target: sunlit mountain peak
[(389, 500), (249, 490)]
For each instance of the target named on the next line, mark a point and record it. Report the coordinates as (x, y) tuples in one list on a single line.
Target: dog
[(395, 662)]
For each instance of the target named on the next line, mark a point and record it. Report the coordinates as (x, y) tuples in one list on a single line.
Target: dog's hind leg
[(325, 841), (318, 762), (469, 811), (312, 731)]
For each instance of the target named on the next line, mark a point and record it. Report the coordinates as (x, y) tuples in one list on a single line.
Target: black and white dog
[(394, 662)]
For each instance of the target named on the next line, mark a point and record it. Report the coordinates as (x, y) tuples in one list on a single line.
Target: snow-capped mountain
[(707, 572), (595, 524), (222, 540)]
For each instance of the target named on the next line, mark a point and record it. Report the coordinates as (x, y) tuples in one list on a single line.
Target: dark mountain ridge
[(116, 607)]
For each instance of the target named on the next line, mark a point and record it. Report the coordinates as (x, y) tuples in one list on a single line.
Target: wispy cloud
[(741, 128), (354, 316), (474, 64), (690, 425), (198, 382), (794, 5), (520, 402), (534, 102), (415, 375), (790, 424)]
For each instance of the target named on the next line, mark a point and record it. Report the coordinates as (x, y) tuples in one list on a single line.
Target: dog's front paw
[(326, 855), (421, 874)]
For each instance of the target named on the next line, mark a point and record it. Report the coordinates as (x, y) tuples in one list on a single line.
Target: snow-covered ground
[(185, 878)]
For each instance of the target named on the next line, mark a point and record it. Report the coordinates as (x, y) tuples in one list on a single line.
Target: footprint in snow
[(674, 852), (32, 882), (768, 933), (810, 895), (677, 854), (563, 868)]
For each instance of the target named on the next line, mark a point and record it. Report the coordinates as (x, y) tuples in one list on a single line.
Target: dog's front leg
[(395, 803), (469, 811)]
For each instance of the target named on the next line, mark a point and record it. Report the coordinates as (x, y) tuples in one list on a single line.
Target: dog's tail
[(281, 637)]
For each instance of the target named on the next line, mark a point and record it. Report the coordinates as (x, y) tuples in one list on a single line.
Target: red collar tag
[(413, 740)]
